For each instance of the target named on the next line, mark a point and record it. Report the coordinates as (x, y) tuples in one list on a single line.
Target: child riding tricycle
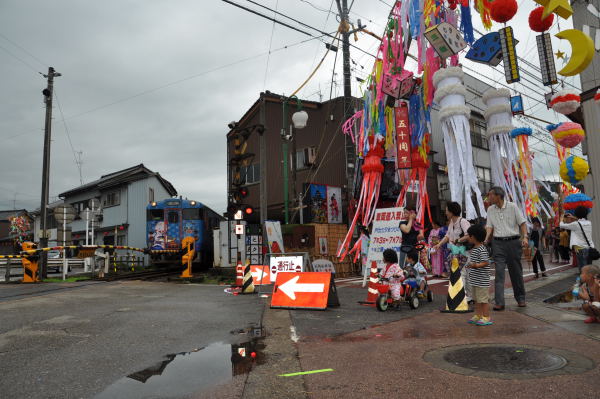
[(397, 285)]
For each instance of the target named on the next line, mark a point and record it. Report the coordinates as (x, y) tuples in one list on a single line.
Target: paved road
[(77, 343)]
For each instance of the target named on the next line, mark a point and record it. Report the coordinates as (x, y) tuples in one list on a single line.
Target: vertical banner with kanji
[(402, 136)]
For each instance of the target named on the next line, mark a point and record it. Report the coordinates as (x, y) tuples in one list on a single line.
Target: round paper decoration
[(572, 201), (574, 169), (567, 134), (521, 131), (503, 10), (565, 101), (537, 24)]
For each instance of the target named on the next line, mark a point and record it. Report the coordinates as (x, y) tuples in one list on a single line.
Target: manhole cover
[(506, 359)]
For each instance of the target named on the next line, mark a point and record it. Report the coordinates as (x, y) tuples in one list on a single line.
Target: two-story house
[(123, 197)]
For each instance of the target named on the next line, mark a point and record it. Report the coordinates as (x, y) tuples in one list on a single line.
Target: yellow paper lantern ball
[(574, 169)]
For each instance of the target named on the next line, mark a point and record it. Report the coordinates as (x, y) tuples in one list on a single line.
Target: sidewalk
[(402, 358)]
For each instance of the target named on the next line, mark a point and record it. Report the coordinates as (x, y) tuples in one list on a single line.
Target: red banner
[(402, 136)]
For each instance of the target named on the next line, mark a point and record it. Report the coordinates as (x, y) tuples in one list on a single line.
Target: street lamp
[(299, 119)]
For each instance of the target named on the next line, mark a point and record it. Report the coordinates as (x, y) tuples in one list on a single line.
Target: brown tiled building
[(319, 150)]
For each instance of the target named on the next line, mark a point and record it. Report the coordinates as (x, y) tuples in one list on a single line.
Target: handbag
[(593, 253)]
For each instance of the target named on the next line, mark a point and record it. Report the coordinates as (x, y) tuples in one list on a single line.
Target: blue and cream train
[(171, 220)]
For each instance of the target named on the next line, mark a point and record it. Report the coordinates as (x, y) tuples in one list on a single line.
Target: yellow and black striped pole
[(248, 285), (456, 301)]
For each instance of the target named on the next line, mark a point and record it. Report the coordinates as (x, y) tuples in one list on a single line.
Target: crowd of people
[(499, 241)]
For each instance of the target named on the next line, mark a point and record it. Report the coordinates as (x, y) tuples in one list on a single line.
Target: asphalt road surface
[(112, 339)]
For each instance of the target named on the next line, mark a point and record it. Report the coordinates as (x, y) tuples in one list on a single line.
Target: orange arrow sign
[(307, 290)]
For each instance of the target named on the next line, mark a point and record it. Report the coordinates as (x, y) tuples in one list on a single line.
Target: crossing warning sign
[(308, 290)]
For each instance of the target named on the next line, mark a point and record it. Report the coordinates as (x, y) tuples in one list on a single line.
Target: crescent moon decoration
[(582, 51), (562, 8)]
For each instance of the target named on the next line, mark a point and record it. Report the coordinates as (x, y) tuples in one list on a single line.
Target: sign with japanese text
[(385, 234), (402, 136), (323, 265), (308, 290), (260, 274), (285, 264)]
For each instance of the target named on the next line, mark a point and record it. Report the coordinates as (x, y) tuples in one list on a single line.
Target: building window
[(484, 176), (121, 240), (150, 194), (111, 199), (300, 160), (251, 174), (478, 131)]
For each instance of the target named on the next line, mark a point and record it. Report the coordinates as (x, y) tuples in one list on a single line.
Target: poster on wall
[(317, 203), (334, 204), (274, 236)]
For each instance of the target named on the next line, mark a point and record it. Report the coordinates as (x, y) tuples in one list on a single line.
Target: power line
[(266, 16), (21, 60), (77, 163)]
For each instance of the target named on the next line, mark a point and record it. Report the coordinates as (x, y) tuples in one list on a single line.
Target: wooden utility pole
[(47, 92), (349, 152)]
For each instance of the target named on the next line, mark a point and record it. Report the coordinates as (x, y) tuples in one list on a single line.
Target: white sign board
[(285, 264), (323, 265), (239, 229), (385, 234)]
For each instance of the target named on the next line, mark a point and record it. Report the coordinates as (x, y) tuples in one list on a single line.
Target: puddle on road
[(185, 373), (565, 300)]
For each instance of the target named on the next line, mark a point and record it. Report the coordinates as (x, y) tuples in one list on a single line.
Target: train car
[(169, 221)]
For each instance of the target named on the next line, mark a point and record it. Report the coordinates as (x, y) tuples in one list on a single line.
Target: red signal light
[(248, 210), (243, 192)]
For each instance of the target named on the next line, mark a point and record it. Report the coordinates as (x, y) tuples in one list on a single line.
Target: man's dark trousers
[(508, 254)]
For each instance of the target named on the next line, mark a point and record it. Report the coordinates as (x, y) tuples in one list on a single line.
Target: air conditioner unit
[(310, 156)]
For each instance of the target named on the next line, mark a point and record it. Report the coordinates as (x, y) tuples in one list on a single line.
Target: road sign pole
[(64, 243)]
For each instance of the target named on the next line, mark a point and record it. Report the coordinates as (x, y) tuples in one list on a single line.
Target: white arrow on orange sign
[(292, 286), (259, 274)]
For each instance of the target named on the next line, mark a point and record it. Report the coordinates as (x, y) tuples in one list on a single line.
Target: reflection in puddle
[(565, 300), (185, 373)]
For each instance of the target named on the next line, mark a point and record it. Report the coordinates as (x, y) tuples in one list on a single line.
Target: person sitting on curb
[(590, 293)]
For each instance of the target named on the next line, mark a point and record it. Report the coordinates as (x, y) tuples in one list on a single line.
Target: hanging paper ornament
[(537, 24), (445, 39), (503, 150), (483, 8), (487, 49), (524, 170), (567, 134), (466, 24), (574, 169), (502, 11), (562, 8), (565, 101), (509, 55), (582, 51), (572, 201), (454, 118), (544, 46)]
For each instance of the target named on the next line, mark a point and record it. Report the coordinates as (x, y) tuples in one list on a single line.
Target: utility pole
[(47, 92), (263, 162), (350, 154)]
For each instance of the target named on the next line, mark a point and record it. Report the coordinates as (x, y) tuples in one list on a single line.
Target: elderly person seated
[(590, 292)]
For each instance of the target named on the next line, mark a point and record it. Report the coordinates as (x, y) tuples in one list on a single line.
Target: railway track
[(144, 275)]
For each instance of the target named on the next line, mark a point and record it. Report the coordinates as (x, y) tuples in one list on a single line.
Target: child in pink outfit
[(393, 272)]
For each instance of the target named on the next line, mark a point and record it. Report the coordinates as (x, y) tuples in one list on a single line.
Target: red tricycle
[(408, 293)]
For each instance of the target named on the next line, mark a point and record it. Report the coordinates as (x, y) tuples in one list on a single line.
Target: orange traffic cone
[(372, 293), (239, 274)]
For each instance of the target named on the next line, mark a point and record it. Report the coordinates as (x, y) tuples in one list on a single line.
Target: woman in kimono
[(393, 273), (436, 254)]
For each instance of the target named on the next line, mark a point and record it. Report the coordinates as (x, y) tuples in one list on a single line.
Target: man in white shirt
[(507, 232), (581, 228)]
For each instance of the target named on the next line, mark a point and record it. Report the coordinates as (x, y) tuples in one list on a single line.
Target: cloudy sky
[(156, 82)]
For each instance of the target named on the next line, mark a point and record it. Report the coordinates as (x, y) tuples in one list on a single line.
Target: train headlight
[(193, 203), (153, 204)]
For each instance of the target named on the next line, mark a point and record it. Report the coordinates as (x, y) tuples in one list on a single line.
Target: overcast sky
[(156, 82)]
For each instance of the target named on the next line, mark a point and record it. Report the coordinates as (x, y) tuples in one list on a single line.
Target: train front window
[(173, 217), (155, 215), (192, 214)]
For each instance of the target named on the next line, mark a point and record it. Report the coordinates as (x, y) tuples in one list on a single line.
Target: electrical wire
[(270, 46)]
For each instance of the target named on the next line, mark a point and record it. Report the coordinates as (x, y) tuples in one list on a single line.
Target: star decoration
[(560, 54), (566, 60)]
